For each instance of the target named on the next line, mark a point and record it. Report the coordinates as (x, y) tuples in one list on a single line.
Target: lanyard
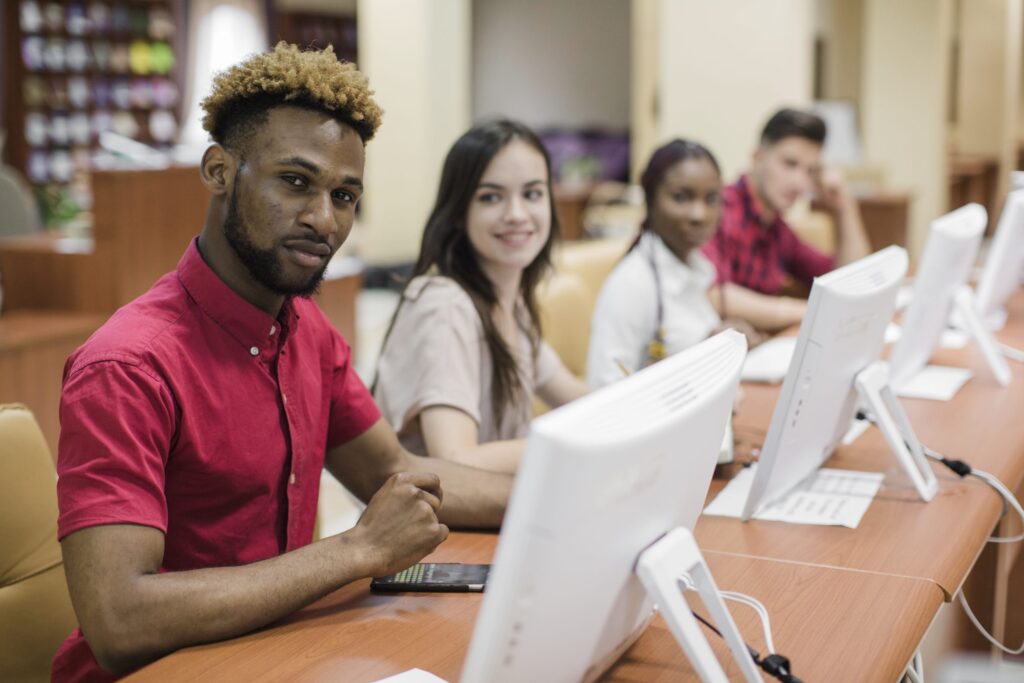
[(656, 346)]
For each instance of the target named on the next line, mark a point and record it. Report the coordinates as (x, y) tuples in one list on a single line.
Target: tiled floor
[(339, 510)]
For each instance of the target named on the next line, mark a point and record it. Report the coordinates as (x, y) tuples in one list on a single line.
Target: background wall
[(416, 54), (726, 66), (563, 63), (840, 25), (988, 96), (904, 99)]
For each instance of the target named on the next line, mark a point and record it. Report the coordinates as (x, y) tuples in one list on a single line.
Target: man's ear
[(217, 170), (755, 158)]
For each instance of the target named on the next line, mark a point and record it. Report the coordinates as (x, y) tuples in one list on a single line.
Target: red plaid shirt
[(756, 253)]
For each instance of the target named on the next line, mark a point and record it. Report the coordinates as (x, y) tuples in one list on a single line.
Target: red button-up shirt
[(758, 253), (198, 414)]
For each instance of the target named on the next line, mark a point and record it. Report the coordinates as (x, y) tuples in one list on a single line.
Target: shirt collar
[(697, 268), (253, 327), (754, 205)]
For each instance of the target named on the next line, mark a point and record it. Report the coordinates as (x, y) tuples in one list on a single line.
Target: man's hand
[(400, 523), (832, 189), (851, 239)]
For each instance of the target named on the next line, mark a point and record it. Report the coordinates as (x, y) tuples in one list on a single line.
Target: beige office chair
[(20, 215), (590, 260), (35, 609), (565, 306)]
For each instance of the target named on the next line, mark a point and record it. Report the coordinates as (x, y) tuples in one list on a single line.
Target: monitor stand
[(659, 568), (967, 311), (877, 396)]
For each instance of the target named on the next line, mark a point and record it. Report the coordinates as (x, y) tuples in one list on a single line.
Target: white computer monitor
[(940, 287), (601, 480), (1004, 265), (842, 334), (945, 266)]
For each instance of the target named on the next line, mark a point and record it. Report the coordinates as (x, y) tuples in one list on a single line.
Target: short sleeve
[(432, 356), (353, 410), (801, 260), (118, 421), (624, 322), (547, 364)]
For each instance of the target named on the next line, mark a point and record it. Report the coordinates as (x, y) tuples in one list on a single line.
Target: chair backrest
[(35, 609), (565, 307), (590, 260), (566, 299), (20, 215)]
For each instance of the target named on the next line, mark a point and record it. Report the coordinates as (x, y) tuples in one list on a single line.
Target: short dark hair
[(793, 123)]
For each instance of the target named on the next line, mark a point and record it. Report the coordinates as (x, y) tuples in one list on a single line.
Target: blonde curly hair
[(243, 95)]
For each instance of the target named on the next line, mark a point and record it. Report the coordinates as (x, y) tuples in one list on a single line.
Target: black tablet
[(432, 576)]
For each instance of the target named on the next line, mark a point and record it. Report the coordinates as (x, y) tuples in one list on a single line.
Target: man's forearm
[(851, 238), (473, 498), (157, 613), (765, 312)]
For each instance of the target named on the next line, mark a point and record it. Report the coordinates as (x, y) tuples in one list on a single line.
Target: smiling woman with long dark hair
[(464, 355)]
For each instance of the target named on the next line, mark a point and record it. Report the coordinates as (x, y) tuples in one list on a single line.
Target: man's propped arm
[(473, 498), (763, 311), (131, 614), (851, 237)]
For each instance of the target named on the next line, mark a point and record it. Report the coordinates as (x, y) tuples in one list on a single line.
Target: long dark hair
[(446, 250), (664, 158)]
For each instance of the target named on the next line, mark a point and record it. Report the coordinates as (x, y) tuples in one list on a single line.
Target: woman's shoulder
[(431, 288), (430, 295), (633, 271)]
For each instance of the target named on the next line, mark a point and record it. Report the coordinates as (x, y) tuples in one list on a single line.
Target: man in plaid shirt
[(754, 251)]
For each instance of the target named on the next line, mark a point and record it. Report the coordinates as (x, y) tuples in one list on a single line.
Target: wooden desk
[(33, 348), (846, 605), (828, 621), (901, 535)]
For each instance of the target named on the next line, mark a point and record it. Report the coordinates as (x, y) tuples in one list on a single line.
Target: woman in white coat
[(656, 301)]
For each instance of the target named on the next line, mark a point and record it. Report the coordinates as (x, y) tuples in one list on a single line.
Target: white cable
[(742, 598), (1011, 352), (912, 675), (1009, 498), (1000, 488), (756, 605), (981, 629)]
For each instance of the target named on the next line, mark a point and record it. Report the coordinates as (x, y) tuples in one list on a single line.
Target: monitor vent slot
[(672, 394)]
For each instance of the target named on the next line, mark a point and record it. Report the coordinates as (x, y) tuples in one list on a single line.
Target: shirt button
[(291, 479), (284, 397), (255, 350), (273, 329)]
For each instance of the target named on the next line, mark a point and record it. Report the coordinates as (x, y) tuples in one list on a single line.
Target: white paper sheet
[(770, 361), (935, 383), (951, 338), (413, 676), (828, 497)]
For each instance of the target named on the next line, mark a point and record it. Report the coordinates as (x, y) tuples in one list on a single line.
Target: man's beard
[(262, 264)]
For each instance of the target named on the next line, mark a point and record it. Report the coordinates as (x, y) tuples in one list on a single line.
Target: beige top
[(436, 356)]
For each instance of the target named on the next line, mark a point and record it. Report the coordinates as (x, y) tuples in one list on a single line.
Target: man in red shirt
[(196, 421), (757, 255)]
